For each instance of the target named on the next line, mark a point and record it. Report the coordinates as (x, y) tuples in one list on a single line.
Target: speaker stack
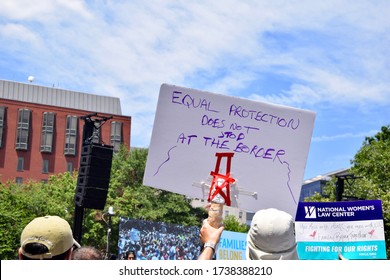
[(94, 176)]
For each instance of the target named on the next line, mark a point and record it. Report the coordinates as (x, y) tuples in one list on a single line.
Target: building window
[(45, 166), (47, 132), (23, 128), (20, 166), (69, 167), (226, 213), (70, 135), (240, 215), (116, 135), (2, 124), (19, 180)]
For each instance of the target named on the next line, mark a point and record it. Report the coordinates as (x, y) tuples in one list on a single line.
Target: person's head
[(86, 253), (271, 236), (130, 255), (48, 237)]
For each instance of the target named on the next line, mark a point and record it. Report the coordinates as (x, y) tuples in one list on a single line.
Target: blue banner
[(362, 250), (339, 211)]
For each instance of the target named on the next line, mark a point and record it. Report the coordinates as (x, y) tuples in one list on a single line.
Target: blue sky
[(331, 57)]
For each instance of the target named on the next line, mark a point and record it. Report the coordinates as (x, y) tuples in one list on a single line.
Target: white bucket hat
[(271, 236)]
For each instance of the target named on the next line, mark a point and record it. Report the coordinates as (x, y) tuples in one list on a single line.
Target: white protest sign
[(270, 145)]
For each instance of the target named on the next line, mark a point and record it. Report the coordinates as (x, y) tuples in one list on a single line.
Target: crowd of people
[(158, 241)]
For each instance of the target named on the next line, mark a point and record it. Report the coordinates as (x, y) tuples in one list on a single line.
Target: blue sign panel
[(232, 246), (339, 211)]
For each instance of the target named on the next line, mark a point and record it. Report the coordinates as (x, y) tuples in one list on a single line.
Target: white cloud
[(25, 9), (42, 10), (19, 35), (344, 136), (330, 51)]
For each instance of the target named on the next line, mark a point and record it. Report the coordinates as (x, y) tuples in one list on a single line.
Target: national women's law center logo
[(310, 212)]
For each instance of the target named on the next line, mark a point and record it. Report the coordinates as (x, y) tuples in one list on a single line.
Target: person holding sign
[(271, 236), (219, 195)]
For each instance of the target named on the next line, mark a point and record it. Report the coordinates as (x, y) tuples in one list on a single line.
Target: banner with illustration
[(347, 229), (157, 240)]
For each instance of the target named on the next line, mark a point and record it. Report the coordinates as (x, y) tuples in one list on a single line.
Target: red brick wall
[(33, 158)]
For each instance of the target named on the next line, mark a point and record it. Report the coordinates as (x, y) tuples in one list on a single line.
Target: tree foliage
[(372, 163), (20, 203), (232, 223)]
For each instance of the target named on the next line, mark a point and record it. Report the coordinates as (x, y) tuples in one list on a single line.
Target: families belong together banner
[(270, 145), (232, 246)]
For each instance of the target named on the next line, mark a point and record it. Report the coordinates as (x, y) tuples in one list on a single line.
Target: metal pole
[(108, 237), (78, 223), (110, 213)]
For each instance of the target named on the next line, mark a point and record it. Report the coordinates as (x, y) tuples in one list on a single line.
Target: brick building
[(41, 129)]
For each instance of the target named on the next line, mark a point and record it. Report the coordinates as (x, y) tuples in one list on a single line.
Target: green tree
[(232, 223), (372, 164), (20, 203)]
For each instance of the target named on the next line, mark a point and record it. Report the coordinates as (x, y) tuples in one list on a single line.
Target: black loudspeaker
[(94, 176)]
